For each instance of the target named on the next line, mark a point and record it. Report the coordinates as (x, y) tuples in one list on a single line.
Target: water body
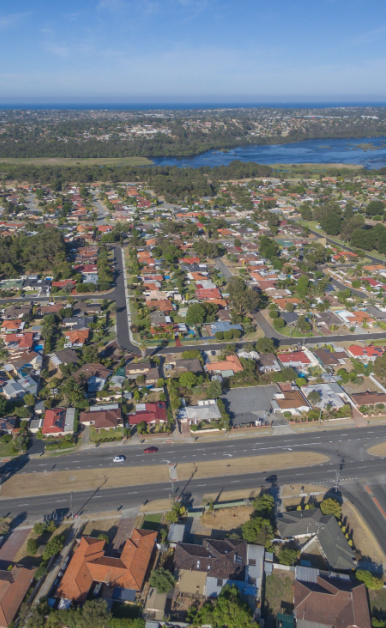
[(369, 152)]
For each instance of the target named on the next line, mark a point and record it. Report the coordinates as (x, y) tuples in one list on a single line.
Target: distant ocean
[(182, 106)]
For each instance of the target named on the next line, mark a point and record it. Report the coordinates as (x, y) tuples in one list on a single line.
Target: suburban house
[(368, 398), (294, 359), (205, 410), (332, 396), (365, 354), (312, 525), (221, 326), (327, 358), (95, 376), (150, 413), (14, 584), (289, 399), (176, 368), (137, 368), (205, 569), (226, 368), (269, 363), (328, 602), (90, 564), (58, 422), (101, 419), (63, 356), (76, 337)]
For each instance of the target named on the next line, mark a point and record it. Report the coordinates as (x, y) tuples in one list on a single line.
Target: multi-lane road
[(348, 460)]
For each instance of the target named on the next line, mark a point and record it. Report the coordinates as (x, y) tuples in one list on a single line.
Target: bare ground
[(378, 450)]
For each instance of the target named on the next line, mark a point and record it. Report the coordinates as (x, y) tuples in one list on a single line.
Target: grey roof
[(329, 394), (330, 536), (224, 326), (376, 312), (66, 356), (289, 317)]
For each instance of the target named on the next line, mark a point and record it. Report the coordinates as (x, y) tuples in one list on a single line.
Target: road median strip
[(56, 482)]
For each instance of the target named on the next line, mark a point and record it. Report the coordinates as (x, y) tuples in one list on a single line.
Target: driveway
[(249, 403)]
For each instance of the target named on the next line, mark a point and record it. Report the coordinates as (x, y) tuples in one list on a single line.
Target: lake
[(367, 152)]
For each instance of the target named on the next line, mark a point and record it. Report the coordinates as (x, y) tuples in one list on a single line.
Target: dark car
[(271, 478), (150, 450)]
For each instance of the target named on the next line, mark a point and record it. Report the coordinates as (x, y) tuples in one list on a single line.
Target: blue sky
[(137, 51)]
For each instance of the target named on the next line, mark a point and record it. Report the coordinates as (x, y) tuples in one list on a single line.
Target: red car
[(150, 450)]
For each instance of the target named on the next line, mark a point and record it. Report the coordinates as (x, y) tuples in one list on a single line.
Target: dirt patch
[(363, 539), (58, 482), (227, 519), (98, 526), (292, 494), (378, 450)]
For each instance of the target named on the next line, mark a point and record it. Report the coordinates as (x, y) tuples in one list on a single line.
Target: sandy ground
[(226, 518), (363, 538), (291, 494), (100, 525), (51, 483), (378, 450)]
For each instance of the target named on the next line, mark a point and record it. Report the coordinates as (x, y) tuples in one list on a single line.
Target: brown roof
[(292, 399), (331, 603), (222, 559), (90, 564), (102, 418), (14, 584), (368, 398), (93, 370)]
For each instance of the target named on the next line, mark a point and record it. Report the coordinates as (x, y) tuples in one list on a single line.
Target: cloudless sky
[(138, 51)]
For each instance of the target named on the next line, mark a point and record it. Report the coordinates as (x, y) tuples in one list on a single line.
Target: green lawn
[(125, 611), (6, 450), (278, 597), (378, 605), (152, 522)]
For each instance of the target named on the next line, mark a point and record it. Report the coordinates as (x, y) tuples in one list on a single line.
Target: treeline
[(22, 254), (175, 184), (351, 226)]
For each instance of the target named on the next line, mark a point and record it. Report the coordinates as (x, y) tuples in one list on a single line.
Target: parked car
[(150, 450), (119, 459)]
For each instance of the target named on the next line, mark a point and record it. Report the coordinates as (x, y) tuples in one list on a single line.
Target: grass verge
[(378, 450)]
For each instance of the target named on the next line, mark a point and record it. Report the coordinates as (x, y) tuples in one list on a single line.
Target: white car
[(119, 459)]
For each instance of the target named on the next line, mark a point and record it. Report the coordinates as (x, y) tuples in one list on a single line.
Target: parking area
[(249, 404)]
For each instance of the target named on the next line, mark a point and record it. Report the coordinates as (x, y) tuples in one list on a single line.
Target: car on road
[(150, 450), (119, 459), (271, 478)]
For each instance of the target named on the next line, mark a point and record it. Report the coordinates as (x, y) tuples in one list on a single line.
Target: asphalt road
[(346, 449), (193, 490), (351, 444)]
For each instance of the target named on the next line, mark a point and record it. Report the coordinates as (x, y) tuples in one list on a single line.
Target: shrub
[(370, 581), (219, 335), (162, 580), (39, 528), (32, 547)]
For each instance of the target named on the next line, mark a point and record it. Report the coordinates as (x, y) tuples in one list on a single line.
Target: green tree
[(287, 556), (196, 314), (331, 506), (302, 286), (227, 611), (53, 546), (188, 379), (371, 582), (314, 397), (32, 546), (29, 400), (214, 389), (257, 530), (264, 505), (243, 300), (162, 580), (265, 345)]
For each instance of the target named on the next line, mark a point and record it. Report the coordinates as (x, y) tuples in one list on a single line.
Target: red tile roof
[(54, 421), (154, 412), (90, 564)]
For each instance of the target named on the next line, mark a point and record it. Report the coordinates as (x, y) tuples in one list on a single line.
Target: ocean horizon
[(188, 106)]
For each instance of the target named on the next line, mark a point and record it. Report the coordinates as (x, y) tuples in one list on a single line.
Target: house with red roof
[(150, 413), (366, 354), (58, 422), (294, 359), (90, 564)]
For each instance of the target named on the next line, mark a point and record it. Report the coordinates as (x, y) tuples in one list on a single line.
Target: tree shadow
[(9, 468)]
